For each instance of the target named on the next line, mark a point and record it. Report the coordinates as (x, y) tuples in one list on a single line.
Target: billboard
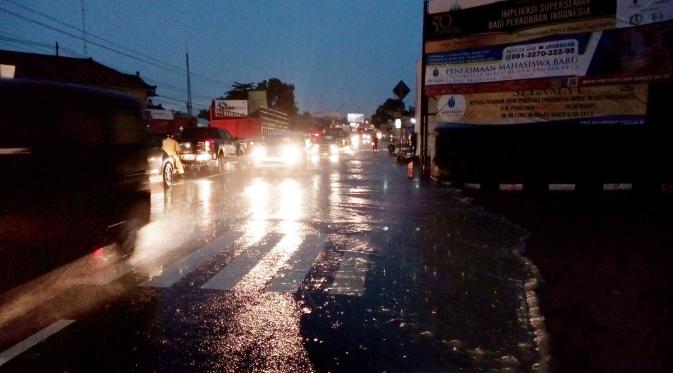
[(233, 106), (625, 104), (7, 71), (355, 118), (635, 54), (515, 62), (159, 114), (642, 12)]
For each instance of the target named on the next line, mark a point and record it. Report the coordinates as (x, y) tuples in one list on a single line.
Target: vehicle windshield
[(199, 134), (280, 140)]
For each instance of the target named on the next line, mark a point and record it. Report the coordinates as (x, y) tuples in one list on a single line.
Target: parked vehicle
[(74, 162), (207, 147)]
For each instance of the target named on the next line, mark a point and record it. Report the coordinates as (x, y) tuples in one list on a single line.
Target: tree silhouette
[(279, 95), (239, 91), (386, 111)]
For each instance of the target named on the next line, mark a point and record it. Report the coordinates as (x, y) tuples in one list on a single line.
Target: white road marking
[(15, 151), (228, 277), (472, 186), (350, 278), (289, 279), (31, 341), (173, 273), (617, 187), (561, 187), (511, 187)]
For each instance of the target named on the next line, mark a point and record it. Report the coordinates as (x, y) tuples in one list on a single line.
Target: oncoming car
[(279, 151)]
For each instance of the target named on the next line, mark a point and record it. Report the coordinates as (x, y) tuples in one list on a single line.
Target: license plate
[(189, 157)]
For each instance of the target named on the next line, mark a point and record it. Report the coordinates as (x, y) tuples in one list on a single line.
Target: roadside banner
[(626, 55), (513, 16), (623, 104), (642, 12)]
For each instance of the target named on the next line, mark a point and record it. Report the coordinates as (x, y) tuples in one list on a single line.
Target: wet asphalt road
[(344, 266)]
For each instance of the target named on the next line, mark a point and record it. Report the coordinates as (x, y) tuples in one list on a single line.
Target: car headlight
[(333, 148), (291, 154), (258, 152)]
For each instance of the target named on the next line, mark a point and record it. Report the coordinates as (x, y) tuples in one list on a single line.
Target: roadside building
[(84, 71)]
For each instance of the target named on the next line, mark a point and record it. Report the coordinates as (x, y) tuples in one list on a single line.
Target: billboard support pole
[(425, 164)]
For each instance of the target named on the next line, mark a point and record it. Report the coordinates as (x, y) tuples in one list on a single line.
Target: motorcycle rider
[(172, 148), (375, 143)]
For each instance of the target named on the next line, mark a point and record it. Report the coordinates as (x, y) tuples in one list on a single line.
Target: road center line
[(228, 277), (289, 279), (34, 339), (189, 263)]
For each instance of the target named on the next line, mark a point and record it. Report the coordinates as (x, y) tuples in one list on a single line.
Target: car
[(280, 150), (207, 147), (73, 162), (326, 145)]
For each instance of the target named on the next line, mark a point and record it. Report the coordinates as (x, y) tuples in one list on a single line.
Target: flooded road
[(345, 265)]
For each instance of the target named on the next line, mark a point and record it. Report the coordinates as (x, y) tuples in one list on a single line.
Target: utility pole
[(189, 87), (56, 49), (83, 27), (425, 166)]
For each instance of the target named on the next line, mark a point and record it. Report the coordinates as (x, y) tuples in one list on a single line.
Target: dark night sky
[(349, 52)]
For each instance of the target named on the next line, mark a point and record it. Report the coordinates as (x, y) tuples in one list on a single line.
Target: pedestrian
[(172, 148)]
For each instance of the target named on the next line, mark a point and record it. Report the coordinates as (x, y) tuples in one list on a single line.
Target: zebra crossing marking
[(350, 278), (189, 263), (230, 275), (289, 279)]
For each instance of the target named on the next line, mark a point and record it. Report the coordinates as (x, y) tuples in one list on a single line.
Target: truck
[(548, 92), (248, 129)]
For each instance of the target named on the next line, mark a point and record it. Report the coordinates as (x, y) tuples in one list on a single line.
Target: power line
[(180, 100), (35, 45), (80, 38), (84, 32), (153, 61)]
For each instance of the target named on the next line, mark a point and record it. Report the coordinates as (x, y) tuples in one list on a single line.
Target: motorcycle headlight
[(333, 148)]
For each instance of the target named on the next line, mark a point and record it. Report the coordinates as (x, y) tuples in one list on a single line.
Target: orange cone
[(410, 169)]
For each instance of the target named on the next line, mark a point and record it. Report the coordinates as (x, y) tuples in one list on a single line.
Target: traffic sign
[(401, 90)]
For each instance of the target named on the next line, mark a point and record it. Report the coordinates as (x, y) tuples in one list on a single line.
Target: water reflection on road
[(341, 265)]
